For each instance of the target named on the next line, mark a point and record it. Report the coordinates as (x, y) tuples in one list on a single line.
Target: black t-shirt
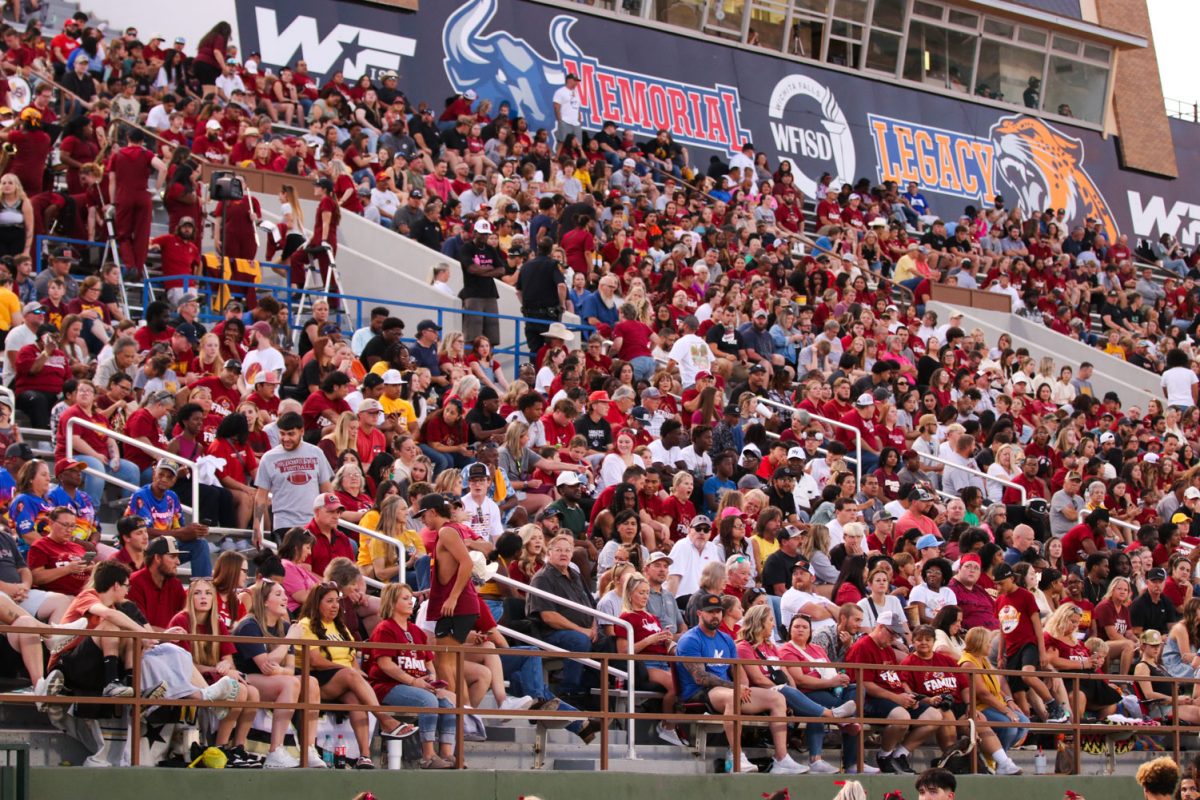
[(934, 240), (11, 561), (778, 569), (961, 245), (727, 340), (478, 286), (1110, 310), (598, 433), (375, 348), (486, 422), (1147, 615), (454, 140), (538, 283), (539, 222), (607, 139), (433, 139), (428, 232), (786, 503)]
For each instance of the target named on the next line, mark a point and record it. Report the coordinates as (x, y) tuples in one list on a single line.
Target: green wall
[(65, 783)]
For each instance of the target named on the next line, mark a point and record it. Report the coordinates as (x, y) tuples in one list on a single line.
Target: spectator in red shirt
[(129, 172), (632, 342), (156, 328), (59, 563), (41, 369), (323, 407), (1087, 537), (330, 543), (1022, 641), (444, 437), (143, 425), (156, 588)]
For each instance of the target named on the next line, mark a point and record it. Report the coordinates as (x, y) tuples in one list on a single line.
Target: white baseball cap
[(567, 479), (797, 452), (483, 226), (865, 399), (393, 378)]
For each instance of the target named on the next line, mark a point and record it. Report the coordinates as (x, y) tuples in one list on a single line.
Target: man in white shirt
[(369, 331), (955, 480), (744, 160), (566, 110), (264, 357), (690, 353), (689, 555), (697, 455), (159, 117), (229, 81), (483, 515), (384, 200), (475, 197), (665, 449), (800, 599)]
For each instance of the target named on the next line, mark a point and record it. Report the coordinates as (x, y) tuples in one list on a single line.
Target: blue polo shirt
[(696, 643)]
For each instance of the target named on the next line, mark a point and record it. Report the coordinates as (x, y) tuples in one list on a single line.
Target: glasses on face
[(702, 528)]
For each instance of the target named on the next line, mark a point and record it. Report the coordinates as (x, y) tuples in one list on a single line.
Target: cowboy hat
[(559, 331)]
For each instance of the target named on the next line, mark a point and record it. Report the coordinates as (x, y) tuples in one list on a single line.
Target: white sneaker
[(669, 735), (516, 703), (58, 641), (746, 767), (787, 766), (96, 760), (1009, 768), (225, 689), (868, 769), (48, 686), (821, 767), (281, 759), (846, 709), (314, 759)]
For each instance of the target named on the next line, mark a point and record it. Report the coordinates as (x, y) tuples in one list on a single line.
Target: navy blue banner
[(713, 98)]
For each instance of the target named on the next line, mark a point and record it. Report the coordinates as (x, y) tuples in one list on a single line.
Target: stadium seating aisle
[(764, 443)]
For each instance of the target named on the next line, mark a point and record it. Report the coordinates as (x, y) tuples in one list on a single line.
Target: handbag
[(776, 674)]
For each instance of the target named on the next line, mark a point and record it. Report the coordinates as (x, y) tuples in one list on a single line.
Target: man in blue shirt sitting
[(713, 683)]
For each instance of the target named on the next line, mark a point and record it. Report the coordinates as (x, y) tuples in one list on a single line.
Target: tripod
[(312, 279)]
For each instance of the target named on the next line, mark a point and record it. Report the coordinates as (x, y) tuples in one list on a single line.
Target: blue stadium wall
[(715, 97)]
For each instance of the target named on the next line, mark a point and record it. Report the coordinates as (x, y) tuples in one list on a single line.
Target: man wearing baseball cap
[(977, 605), (330, 542), (689, 556), (574, 515), (1152, 611), (482, 264), (1022, 642), (888, 696), (862, 419), (160, 505), (712, 684), (156, 588), (594, 425), (920, 502)]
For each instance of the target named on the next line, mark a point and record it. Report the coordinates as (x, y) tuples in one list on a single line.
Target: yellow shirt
[(370, 548), (399, 406), (9, 305), (1115, 350), (342, 656), (989, 679), (763, 549)]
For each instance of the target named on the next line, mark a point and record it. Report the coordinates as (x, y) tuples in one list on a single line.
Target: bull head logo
[(503, 67)]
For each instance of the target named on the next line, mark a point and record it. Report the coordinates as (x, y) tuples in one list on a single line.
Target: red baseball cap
[(599, 397), (328, 501), (64, 464), (970, 558)]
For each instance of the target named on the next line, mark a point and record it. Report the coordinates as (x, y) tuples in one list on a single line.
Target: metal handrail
[(137, 701), (835, 423), (149, 449), (1120, 523), (549, 648), (984, 475), (383, 537), (504, 580)]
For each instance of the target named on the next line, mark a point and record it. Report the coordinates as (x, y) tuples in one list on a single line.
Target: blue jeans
[(1007, 736), (418, 577), (94, 486), (496, 607), (201, 557), (432, 726), (912, 283), (803, 706), (643, 368), (572, 671), (827, 699), (445, 460), (525, 678)]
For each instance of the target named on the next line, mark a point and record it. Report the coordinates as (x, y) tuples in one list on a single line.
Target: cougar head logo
[(1045, 168)]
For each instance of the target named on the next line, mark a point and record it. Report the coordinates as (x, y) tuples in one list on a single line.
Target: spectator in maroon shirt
[(156, 588), (330, 542)]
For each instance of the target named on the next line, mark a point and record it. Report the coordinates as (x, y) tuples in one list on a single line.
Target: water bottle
[(339, 754), (327, 752)]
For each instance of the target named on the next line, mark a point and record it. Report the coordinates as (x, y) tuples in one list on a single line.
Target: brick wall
[(1144, 132)]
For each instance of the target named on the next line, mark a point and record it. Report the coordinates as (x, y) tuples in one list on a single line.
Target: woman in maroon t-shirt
[(1066, 653), (1112, 621), (325, 226), (649, 636), (209, 62)]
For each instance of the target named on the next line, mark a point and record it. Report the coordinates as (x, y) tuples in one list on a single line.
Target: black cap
[(435, 502), (709, 602), (1001, 572), (1156, 574), (427, 324), (19, 450), (477, 470), (782, 472), (549, 511), (233, 364)]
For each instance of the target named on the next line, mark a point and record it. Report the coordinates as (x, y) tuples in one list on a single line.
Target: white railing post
[(383, 537), (833, 422), (631, 750), (984, 475), (149, 449)]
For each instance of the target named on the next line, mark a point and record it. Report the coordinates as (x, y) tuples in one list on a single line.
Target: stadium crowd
[(686, 462)]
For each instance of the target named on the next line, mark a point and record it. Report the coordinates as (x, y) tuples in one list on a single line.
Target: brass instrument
[(7, 151)]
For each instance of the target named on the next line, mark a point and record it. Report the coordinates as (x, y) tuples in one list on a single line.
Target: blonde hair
[(340, 435), (389, 597), (631, 583), (206, 654), (1059, 624), (756, 624), (976, 642)]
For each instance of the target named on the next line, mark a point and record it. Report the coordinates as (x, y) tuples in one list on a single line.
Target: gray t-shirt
[(1059, 525), (294, 478)]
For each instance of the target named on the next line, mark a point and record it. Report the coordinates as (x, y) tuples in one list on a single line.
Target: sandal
[(436, 762), (364, 763)]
